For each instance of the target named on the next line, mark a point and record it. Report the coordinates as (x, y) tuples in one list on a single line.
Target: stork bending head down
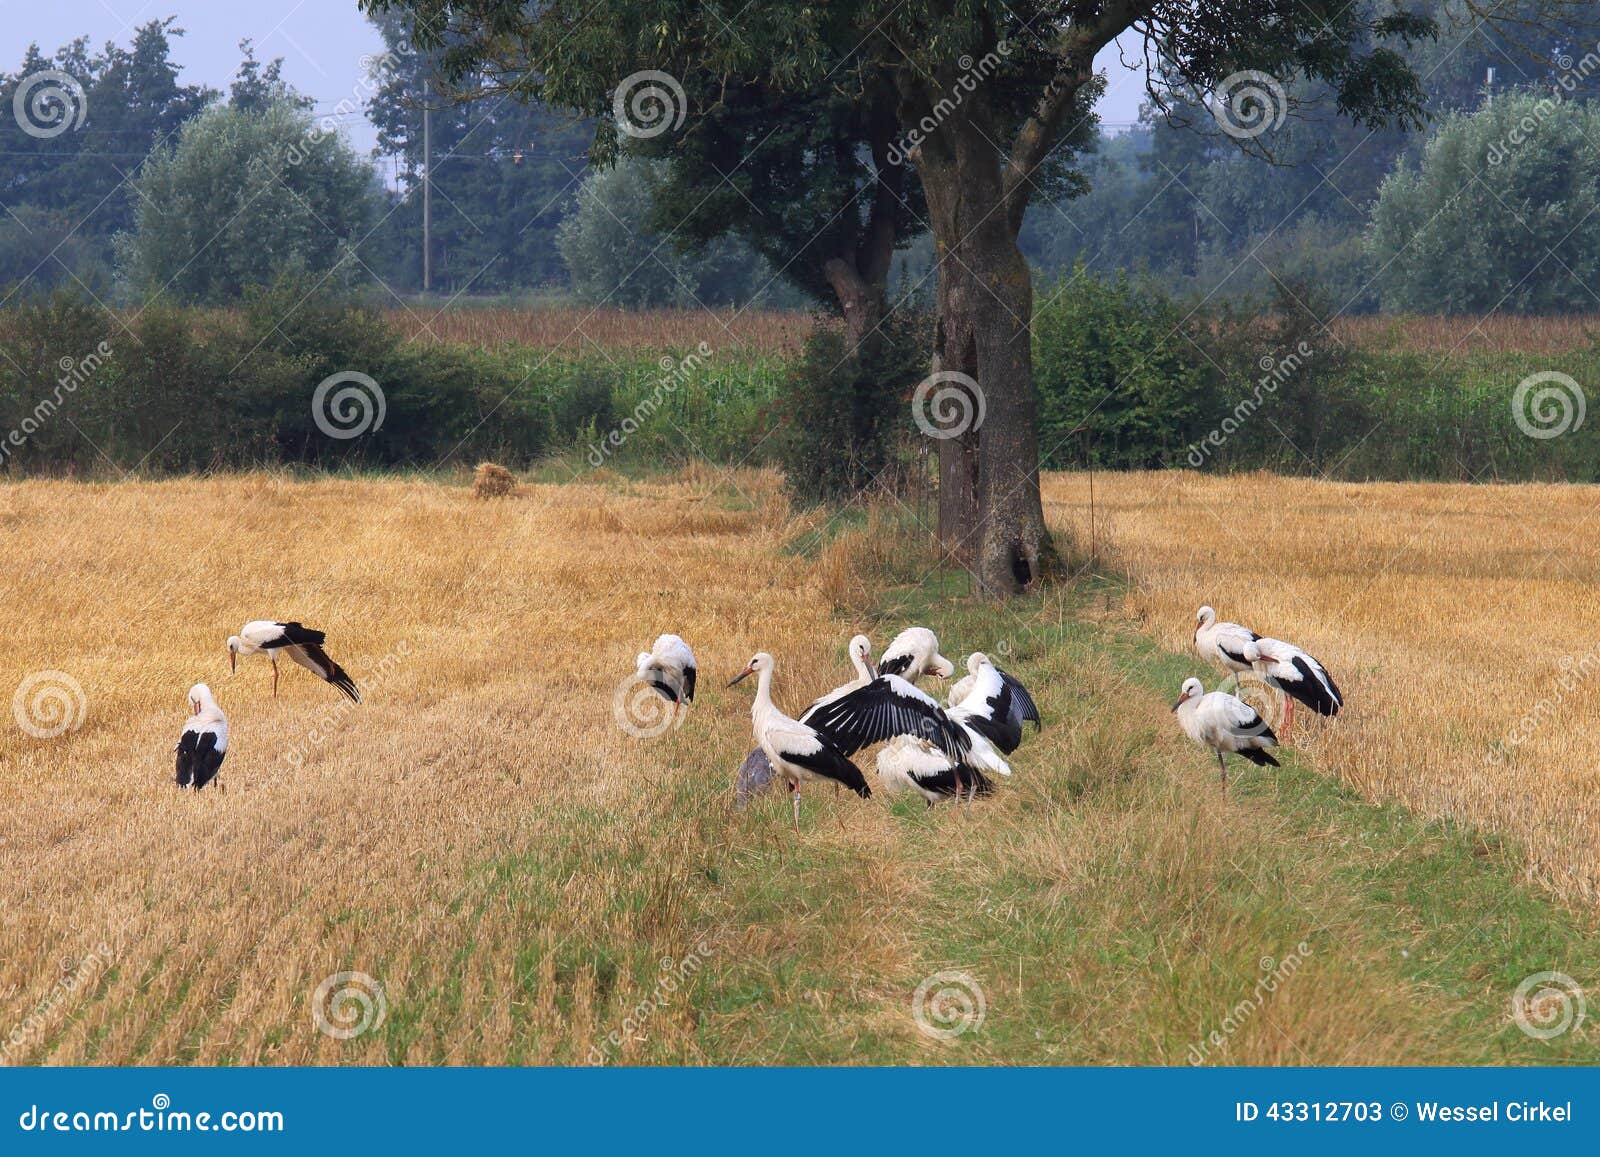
[(301, 643)]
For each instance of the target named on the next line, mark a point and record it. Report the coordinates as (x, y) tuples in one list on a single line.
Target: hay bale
[(492, 481)]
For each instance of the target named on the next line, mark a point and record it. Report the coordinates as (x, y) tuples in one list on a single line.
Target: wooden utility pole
[(427, 191)]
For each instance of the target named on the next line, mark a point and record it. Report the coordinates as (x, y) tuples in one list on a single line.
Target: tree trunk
[(862, 302), (991, 516)]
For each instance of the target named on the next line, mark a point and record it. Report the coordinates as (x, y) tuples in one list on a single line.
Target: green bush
[(842, 417), (1113, 373)]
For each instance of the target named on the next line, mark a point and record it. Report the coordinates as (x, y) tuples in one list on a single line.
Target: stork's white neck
[(761, 708)]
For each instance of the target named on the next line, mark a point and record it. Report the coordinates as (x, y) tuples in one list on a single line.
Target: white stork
[(204, 741), (910, 764), (668, 666), (300, 643), (913, 653), (1224, 723), (860, 651), (819, 747), (993, 703), (1287, 667)]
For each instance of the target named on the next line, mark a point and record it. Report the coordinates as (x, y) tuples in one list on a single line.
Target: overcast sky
[(322, 43)]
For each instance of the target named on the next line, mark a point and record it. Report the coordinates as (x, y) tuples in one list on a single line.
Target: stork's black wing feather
[(198, 759), (1023, 708), (882, 709), (991, 710), (295, 635), (830, 763)]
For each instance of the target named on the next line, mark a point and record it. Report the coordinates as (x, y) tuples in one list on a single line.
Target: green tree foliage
[(242, 196), (614, 257), (1503, 212), (846, 417), (131, 101)]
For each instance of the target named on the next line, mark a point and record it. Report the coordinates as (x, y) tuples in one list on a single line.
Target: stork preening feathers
[(1285, 666), (300, 643), (204, 741), (1224, 723), (913, 653), (668, 666)]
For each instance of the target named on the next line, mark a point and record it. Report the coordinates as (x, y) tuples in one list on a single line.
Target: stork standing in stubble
[(204, 741), (1224, 723), (300, 643), (669, 667), (1288, 668)]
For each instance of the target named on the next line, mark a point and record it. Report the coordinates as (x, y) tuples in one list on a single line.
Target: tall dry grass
[(1447, 613), (1499, 333)]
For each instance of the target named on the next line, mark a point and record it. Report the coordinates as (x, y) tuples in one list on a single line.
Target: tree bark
[(991, 515)]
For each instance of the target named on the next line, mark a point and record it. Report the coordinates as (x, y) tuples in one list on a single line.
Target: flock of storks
[(943, 751)]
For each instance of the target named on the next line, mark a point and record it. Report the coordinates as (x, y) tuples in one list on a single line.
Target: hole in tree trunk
[(1020, 568)]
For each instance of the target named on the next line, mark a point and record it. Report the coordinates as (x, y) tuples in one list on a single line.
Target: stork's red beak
[(872, 668), (748, 671), (233, 662), (1182, 699)]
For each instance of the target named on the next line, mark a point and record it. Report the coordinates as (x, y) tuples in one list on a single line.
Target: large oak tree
[(971, 101)]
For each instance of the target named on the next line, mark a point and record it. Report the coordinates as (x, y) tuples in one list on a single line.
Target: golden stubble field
[(520, 876), (370, 840), (1461, 622)]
